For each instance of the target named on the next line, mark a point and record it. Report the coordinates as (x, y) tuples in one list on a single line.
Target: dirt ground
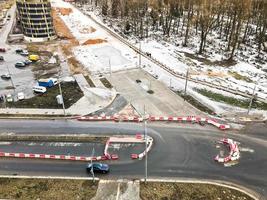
[(94, 41), (47, 189), (188, 191)]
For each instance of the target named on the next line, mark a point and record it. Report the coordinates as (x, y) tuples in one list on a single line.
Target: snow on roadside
[(103, 93), (115, 56)]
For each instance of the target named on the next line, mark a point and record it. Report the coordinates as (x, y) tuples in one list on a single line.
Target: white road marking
[(244, 149)]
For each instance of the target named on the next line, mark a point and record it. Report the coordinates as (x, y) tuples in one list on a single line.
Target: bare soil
[(94, 41), (188, 191)]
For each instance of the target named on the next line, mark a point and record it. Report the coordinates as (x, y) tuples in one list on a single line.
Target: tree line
[(236, 22)]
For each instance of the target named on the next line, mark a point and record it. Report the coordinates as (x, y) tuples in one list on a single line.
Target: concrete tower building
[(36, 20)]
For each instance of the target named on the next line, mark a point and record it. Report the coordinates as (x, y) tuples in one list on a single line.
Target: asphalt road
[(177, 152)]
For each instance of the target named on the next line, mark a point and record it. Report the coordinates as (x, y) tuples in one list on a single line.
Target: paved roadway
[(177, 152)]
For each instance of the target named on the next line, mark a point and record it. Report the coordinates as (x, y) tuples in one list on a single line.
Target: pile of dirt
[(87, 30), (61, 29), (64, 11), (94, 41)]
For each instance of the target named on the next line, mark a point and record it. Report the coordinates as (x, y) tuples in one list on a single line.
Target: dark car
[(98, 168), (6, 76), (2, 50), (20, 64), (1, 58), (19, 51)]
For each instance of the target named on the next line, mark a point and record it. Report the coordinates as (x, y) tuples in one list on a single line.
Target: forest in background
[(239, 24)]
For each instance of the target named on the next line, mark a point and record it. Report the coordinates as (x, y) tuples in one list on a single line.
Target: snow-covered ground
[(113, 55), (99, 58)]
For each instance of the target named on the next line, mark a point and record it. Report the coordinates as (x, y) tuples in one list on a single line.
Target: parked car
[(24, 53), (6, 76), (2, 50), (39, 89), (21, 96), (20, 64), (9, 98), (45, 83), (98, 168), (2, 58), (27, 62), (50, 82), (19, 51), (34, 57)]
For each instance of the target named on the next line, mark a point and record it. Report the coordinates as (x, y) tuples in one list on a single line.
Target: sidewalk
[(118, 190)]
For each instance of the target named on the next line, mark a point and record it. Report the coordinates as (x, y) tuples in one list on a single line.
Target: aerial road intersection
[(177, 152)]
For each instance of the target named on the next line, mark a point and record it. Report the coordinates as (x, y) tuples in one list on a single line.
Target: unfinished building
[(36, 20)]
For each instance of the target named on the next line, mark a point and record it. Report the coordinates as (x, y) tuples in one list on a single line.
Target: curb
[(137, 119), (49, 177), (249, 192)]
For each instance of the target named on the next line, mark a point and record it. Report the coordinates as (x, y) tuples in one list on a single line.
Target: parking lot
[(22, 78)]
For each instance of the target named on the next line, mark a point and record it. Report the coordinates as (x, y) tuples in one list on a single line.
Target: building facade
[(36, 20)]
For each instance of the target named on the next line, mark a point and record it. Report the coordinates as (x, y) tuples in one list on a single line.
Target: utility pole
[(186, 80), (60, 91), (145, 138), (252, 97), (139, 34), (92, 168), (140, 53), (109, 66)]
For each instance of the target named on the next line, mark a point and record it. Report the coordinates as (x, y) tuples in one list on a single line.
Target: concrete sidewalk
[(118, 190)]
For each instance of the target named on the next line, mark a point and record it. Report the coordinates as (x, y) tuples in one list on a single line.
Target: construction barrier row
[(54, 157), (190, 119), (149, 141), (234, 153)]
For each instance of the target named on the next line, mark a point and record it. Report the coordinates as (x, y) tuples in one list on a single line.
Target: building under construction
[(36, 20)]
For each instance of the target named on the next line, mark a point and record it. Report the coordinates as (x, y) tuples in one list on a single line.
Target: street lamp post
[(140, 54), (60, 91), (186, 80), (145, 138), (92, 168)]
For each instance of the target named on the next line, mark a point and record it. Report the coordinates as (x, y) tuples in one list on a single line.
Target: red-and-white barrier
[(52, 156), (149, 146), (190, 119), (96, 118), (234, 153)]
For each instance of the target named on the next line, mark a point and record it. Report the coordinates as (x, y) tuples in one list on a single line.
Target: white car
[(21, 96), (39, 89), (9, 98)]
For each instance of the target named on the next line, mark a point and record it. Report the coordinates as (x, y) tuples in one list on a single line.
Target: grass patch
[(55, 138), (186, 191), (240, 77), (106, 83), (195, 103), (47, 189), (231, 100), (89, 81), (71, 94)]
